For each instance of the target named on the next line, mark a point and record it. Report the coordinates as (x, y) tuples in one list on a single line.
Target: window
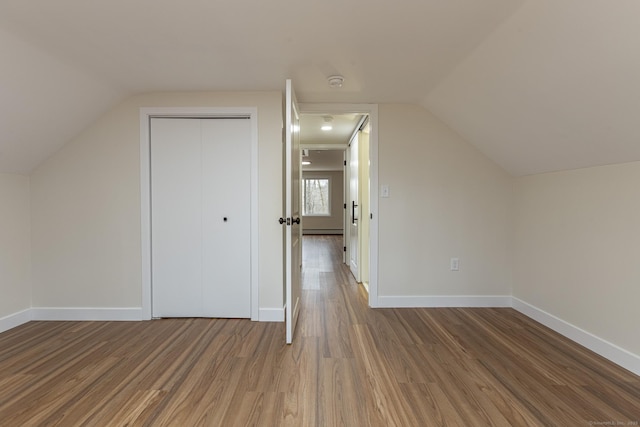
[(316, 197)]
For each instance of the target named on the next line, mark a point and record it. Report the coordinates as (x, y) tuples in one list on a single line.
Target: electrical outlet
[(455, 264)]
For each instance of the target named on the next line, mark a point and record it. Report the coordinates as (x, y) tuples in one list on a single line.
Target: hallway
[(349, 366)]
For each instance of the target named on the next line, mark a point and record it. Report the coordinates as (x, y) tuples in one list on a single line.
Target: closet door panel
[(176, 217), (226, 190)]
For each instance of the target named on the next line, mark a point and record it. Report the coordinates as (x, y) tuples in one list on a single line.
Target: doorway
[(359, 173)]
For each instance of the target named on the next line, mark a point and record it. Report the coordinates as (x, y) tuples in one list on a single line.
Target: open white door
[(354, 208), (293, 229)]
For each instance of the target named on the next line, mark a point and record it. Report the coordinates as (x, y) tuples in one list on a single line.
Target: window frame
[(304, 196)]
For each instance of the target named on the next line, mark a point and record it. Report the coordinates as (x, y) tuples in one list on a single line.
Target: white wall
[(86, 206), (446, 200), (15, 245), (577, 241), (565, 243)]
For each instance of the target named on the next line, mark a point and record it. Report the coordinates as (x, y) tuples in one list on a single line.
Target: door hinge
[(344, 249), (370, 216), (345, 162), (345, 206)]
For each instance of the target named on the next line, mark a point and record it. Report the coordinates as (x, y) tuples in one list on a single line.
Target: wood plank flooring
[(349, 366)]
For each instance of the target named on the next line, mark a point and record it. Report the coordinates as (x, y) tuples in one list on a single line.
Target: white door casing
[(345, 210), (146, 113)]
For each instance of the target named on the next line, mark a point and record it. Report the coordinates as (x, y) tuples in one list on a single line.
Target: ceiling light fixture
[(306, 163), (335, 81), (327, 123)]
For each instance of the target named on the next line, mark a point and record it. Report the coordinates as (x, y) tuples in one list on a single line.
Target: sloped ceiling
[(556, 86), (44, 102), (537, 85), (69, 60)]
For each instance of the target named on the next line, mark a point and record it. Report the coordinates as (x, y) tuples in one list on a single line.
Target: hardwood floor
[(349, 366)]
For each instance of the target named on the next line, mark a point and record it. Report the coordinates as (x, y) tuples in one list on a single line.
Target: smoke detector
[(335, 81)]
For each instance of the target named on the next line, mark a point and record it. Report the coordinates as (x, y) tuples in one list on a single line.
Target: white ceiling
[(326, 148), (537, 85), (324, 160), (70, 60), (44, 102), (343, 127), (557, 86)]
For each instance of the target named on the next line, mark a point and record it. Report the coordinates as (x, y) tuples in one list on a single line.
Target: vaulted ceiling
[(536, 85)]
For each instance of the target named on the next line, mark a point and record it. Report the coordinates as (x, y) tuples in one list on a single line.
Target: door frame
[(372, 111), (146, 113)]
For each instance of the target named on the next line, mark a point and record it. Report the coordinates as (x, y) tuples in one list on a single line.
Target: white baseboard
[(321, 231), (365, 285), (604, 348), (15, 319), (444, 301), (272, 314), (598, 345), (99, 314), (86, 314)]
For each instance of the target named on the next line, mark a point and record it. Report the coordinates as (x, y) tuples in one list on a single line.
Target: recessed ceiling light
[(306, 163), (327, 123)]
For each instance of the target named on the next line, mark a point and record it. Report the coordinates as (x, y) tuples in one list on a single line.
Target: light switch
[(384, 190)]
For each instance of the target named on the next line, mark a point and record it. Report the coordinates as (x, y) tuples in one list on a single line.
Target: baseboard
[(272, 314), (86, 314), (443, 301), (100, 314), (604, 348), (365, 285), (314, 231), (16, 319)]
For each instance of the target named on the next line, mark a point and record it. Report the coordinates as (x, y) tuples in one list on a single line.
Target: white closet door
[(176, 207), (226, 193), (200, 188)]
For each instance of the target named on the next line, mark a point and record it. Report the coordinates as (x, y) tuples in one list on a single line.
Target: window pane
[(316, 196)]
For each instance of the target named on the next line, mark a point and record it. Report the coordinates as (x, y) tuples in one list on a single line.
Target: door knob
[(297, 220), (281, 220)]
